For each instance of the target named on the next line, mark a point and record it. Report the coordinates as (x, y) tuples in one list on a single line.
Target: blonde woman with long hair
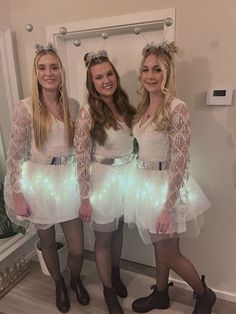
[(41, 182), (164, 200)]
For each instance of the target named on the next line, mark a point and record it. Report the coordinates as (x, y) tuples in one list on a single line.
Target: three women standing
[(41, 182)]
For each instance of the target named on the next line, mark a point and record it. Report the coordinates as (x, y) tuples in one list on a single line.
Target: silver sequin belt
[(55, 161), (114, 161), (62, 160), (152, 165)]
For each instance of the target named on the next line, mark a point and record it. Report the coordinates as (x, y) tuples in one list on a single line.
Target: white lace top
[(171, 146), (22, 145), (118, 143)]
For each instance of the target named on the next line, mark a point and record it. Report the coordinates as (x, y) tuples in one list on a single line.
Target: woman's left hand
[(85, 210), (164, 223)]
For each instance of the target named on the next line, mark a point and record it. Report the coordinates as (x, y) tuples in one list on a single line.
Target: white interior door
[(123, 50)]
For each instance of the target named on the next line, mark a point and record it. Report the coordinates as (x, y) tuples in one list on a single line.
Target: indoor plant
[(7, 228)]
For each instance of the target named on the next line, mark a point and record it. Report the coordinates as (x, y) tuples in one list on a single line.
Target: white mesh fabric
[(178, 156), (83, 148), (19, 145)]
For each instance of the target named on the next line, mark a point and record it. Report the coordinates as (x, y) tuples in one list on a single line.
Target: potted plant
[(62, 250), (7, 227)]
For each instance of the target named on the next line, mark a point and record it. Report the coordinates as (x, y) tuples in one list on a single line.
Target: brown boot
[(156, 300), (117, 283), (62, 300), (112, 302), (204, 302)]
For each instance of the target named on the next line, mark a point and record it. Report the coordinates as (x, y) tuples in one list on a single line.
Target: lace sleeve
[(19, 145), (179, 141), (83, 149)]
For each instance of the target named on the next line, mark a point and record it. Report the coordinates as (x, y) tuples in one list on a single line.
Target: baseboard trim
[(150, 271), (221, 294)]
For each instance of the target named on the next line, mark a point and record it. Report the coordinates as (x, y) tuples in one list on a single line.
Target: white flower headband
[(39, 48), (164, 47), (95, 56)]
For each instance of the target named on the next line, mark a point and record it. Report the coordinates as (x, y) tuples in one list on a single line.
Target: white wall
[(204, 33), (5, 13)]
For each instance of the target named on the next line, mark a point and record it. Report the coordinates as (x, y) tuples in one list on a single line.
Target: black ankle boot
[(80, 291), (62, 300), (204, 302), (156, 300), (117, 283), (111, 300)]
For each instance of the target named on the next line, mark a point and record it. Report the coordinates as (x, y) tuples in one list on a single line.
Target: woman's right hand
[(164, 223), (21, 205), (85, 210)]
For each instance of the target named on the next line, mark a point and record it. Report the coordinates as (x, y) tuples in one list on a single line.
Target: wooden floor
[(35, 295)]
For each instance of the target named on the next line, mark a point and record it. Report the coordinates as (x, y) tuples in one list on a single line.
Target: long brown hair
[(41, 117), (102, 115)]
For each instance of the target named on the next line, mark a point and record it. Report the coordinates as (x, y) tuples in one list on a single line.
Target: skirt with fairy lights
[(110, 185), (146, 199), (51, 192)]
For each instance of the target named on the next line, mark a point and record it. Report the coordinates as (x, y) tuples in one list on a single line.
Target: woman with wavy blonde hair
[(104, 146), (41, 182), (164, 200)]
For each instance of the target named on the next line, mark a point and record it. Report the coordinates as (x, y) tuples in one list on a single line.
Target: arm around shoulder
[(74, 107)]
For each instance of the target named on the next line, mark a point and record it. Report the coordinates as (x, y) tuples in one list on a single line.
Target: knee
[(76, 252), (103, 242), (163, 260), (168, 259)]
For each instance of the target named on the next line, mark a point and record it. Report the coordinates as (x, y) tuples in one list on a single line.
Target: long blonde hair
[(164, 53), (41, 117)]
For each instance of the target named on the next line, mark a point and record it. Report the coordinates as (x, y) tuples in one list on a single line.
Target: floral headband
[(39, 48), (95, 56), (164, 47)]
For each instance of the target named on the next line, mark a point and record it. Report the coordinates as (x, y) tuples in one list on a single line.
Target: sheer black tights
[(73, 232), (168, 256), (108, 247)]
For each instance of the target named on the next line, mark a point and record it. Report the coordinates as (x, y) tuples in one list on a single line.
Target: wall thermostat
[(219, 97)]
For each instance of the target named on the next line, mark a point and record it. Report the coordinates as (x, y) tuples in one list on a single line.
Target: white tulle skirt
[(110, 186), (51, 192), (146, 198)]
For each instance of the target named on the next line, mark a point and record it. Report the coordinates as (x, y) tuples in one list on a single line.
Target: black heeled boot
[(204, 302), (80, 291), (156, 300), (117, 283), (62, 300), (111, 300)]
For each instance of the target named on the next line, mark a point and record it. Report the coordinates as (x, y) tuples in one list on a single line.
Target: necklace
[(150, 112)]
